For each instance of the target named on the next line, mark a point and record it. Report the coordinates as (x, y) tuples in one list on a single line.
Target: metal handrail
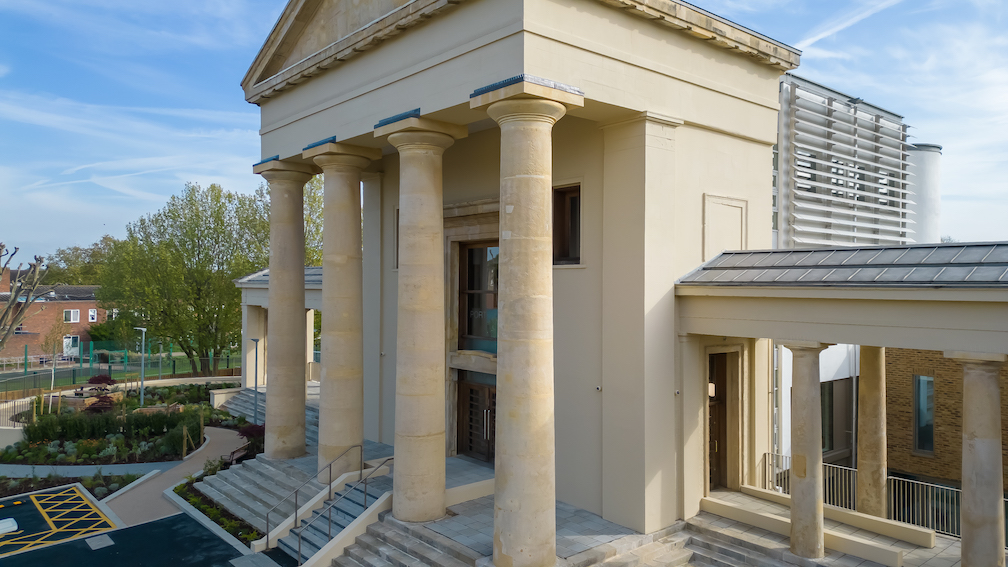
[(337, 501), (328, 486)]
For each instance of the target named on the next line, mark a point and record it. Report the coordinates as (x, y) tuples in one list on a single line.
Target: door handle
[(486, 425), (715, 445)]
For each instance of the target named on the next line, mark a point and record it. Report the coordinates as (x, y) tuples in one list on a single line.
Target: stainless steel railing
[(328, 486), (328, 509)]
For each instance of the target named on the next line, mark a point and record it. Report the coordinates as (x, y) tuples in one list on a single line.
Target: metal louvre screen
[(843, 177)]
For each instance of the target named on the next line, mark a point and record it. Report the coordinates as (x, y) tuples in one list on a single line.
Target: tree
[(313, 201), (52, 343), (15, 307), (77, 265), (174, 271)]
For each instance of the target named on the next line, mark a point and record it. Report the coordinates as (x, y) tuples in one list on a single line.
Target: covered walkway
[(951, 298)]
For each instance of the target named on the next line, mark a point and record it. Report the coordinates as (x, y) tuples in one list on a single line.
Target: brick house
[(74, 305), (924, 415)]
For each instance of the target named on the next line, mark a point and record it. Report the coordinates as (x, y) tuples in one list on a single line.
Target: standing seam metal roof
[(312, 275), (975, 264)]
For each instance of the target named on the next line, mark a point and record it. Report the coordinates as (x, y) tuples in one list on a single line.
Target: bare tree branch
[(22, 292)]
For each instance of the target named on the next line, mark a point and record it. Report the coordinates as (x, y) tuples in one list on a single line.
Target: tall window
[(71, 315), (92, 315), (567, 225), (924, 413), (826, 399), (478, 297)]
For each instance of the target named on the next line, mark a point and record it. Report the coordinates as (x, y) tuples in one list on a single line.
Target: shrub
[(19, 458), (101, 379), (100, 492), (114, 486)]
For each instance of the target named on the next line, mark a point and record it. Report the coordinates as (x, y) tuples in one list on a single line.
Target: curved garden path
[(146, 501)]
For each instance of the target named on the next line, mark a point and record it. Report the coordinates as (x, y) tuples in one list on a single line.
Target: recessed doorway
[(717, 390)]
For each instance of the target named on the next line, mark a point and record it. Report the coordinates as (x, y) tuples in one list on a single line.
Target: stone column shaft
[(285, 397), (806, 452), (525, 469), (341, 402), (871, 433), (419, 478), (982, 507)]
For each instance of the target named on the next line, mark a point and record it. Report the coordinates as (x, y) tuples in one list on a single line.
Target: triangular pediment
[(306, 27)]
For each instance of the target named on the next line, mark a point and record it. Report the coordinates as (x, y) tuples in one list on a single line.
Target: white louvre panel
[(845, 179), (844, 210), (839, 218)]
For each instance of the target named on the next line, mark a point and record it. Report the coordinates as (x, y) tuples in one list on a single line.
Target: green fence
[(123, 365)]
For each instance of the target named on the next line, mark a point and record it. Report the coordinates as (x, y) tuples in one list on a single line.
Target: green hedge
[(135, 426)]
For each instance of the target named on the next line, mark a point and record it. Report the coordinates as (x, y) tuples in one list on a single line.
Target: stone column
[(982, 506), (418, 489), (285, 397), (806, 451), (871, 433), (525, 479), (341, 401)]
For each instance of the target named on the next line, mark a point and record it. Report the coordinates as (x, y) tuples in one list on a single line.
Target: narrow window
[(924, 413), (92, 316), (567, 225), (71, 315), (826, 399)]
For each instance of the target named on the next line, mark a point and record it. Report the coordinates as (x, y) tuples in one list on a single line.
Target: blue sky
[(107, 107)]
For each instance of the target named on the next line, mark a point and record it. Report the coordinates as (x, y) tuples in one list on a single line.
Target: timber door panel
[(717, 387), (477, 414)]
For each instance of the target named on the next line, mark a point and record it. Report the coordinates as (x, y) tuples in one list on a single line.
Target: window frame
[(71, 315), (561, 240), (916, 414)]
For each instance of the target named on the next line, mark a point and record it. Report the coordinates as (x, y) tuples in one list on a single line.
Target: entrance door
[(477, 326), (477, 415), (717, 388)]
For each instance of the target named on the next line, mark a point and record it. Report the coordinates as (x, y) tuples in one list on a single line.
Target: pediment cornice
[(261, 83)]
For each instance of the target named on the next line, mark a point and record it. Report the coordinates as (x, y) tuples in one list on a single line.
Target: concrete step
[(254, 560), (251, 486), (666, 551), (414, 548), (712, 550), (345, 561), (234, 507), (311, 542), (256, 509), (365, 557)]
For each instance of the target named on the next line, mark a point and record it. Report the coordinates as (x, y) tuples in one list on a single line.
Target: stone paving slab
[(577, 530)]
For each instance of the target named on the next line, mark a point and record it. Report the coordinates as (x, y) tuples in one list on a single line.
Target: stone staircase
[(243, 404), (669, 551), (252, 488), (389, 543), (711, 546), (346, 510)]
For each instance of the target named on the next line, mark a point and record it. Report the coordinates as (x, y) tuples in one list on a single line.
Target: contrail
[(829, 28)]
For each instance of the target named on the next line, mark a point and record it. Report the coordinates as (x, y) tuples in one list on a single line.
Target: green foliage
[(76, 265), (175, 269)]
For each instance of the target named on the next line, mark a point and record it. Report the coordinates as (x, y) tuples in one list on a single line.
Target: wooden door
[(717, 385), (476, 423)]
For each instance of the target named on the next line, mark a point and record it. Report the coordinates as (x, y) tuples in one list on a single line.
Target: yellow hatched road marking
[(50, 506)]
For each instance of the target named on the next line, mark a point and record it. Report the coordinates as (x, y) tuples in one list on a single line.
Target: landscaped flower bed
[(120, 435), (101, 486)]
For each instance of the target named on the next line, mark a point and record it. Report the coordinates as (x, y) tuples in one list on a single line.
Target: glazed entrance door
[(717, 386), (477, 414)]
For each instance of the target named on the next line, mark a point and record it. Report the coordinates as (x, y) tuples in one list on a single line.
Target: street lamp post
[(143, 341), (255, 415)]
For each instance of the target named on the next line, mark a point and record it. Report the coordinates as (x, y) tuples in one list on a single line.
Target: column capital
[(526, 87), (976, 357), (413, 122), (805, 345), (526, 109), (281, 170), (333, 154)]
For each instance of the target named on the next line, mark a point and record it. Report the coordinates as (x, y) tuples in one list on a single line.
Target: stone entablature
[(259, 84)]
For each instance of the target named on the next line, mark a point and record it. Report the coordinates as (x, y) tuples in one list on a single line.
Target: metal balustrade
[(923, 504)]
